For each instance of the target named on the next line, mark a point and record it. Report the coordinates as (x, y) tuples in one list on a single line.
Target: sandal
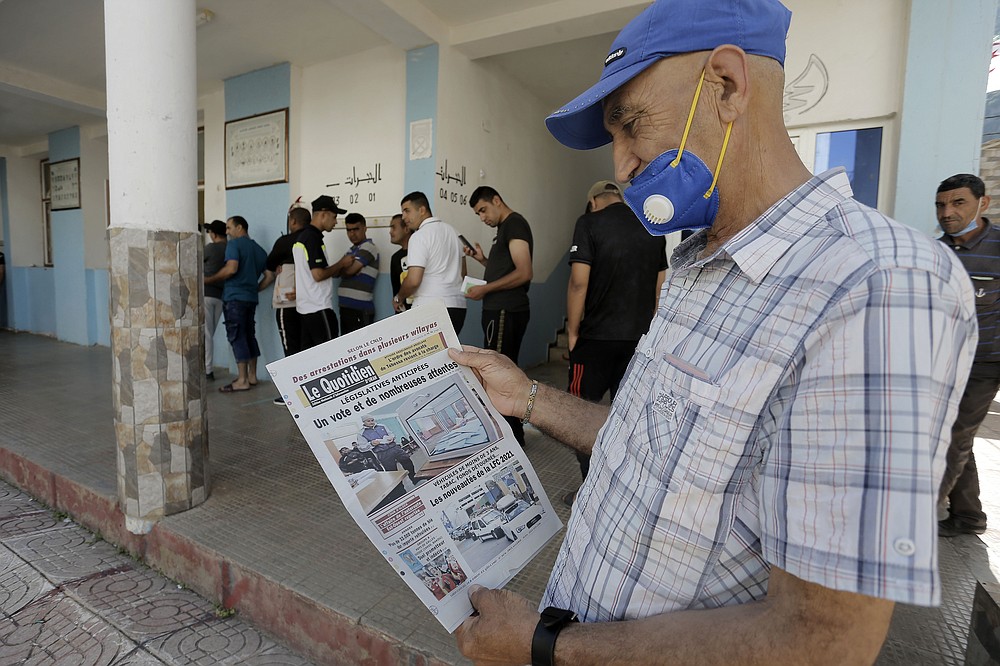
[(229, 388)]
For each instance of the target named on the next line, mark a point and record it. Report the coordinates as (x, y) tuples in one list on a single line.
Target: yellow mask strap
[(687, 129), (687, 126), (718, 166)]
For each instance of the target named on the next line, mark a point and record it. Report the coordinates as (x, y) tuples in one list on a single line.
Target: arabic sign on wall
[(452, 184), (357, 187)]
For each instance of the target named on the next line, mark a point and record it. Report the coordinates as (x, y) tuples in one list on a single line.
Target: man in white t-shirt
[(313, 286), (436, 263)]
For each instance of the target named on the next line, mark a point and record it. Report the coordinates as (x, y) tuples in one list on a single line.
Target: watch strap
[(543, 641)]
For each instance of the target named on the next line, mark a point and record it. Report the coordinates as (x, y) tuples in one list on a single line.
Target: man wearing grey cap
[(763, 487)]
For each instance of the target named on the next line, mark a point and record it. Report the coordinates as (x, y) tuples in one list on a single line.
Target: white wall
[(213, 107), (862, 45), (492, 126), (24, 247), (352, 113)]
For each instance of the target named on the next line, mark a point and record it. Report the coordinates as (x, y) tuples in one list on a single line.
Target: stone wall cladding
[(157, 340)]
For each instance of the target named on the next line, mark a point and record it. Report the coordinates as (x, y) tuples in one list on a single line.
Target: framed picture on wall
[(257, 150), (64, 184)]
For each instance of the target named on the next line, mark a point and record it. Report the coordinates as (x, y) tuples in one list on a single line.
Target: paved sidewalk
[(274, 542), (68, 597)]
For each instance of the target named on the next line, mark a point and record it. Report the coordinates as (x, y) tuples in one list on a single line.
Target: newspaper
[(426, 466)]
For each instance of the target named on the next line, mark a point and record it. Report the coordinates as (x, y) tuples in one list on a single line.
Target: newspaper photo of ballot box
[(422, 461)]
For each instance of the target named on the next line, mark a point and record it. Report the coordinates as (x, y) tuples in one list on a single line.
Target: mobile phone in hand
[(466, 243)]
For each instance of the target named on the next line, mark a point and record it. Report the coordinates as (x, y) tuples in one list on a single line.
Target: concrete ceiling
[(52, 51)]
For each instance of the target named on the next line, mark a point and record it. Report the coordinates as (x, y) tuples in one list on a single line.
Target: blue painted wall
[(29, 290), (264, 207), (421, 104), (98, 305), (33, 305), (70, 297)]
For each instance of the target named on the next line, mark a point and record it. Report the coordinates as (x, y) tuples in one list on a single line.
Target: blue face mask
[(677, 190)]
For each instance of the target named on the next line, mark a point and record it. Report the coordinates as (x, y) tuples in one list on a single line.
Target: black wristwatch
[(543, 642)]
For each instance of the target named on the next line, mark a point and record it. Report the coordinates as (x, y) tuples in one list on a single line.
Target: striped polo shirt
[(981, 257), (358, 291)]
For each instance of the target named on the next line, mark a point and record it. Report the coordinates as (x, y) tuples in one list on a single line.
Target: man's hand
[(572, 339), (506, 386), (478, 255), (501, 632), (476, 292)]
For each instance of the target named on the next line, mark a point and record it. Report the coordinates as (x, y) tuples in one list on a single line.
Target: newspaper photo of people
[(409, 441), (441, 575), (422, 461)]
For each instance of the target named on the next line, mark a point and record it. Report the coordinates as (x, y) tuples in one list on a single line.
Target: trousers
[(960, 485)]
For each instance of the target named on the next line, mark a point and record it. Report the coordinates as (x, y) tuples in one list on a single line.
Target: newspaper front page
[(426, 466)]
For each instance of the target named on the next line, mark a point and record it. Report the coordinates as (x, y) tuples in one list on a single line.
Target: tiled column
[(157, 312)]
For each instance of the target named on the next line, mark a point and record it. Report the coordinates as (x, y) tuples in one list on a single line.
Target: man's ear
[(986, 204), (727, 68)]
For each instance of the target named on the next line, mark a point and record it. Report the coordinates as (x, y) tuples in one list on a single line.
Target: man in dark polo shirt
[(313, 286), (616, 269), (961, 201), (508, 276)]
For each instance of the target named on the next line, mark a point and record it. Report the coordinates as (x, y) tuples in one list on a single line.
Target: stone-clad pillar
[(157, 335)]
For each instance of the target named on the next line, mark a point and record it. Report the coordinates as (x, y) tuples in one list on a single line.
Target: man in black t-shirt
[(399, 234), (508, 276), (616, 270)]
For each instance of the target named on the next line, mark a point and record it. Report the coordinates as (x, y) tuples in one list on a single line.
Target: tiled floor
[(68, 597), (271, 508)]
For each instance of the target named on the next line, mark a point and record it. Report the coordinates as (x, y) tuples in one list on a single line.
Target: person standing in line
[(616, 270), (357, 284), (436, 262), (960, 203), (313, 284), (399, 234), (506, 309), (763, 486), (241, 276), (281, 262), (215, 259)]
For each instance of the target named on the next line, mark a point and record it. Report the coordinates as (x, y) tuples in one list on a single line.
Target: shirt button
[(905, 547)]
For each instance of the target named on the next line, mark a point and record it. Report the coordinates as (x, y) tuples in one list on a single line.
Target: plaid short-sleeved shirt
[(790, 406)]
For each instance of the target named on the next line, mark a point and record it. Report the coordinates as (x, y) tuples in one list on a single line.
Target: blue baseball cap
[(664, 29)]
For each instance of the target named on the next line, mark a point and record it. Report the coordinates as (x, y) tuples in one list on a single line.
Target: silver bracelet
[(531, 402)]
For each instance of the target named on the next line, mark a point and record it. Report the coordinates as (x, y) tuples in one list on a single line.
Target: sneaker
[(953, 527), (279, 400), (210, 376), (569, 498)]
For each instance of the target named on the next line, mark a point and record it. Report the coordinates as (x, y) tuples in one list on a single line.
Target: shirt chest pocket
[(669, 412), (987, 291), (691, 434)]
